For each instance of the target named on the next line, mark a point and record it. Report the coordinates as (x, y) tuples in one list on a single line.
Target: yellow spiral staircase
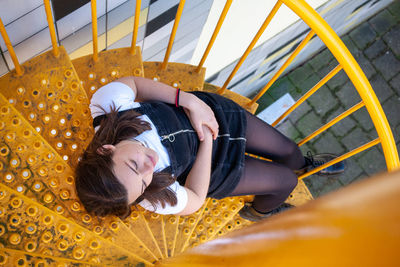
[(45, 125)]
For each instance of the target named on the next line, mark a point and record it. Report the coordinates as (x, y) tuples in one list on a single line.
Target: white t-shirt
[(124, 97)]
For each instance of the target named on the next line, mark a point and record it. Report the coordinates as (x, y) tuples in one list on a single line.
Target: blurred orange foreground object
[(356, 226)]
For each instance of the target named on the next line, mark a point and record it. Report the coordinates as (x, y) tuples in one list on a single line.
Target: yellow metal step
[(111, 65), (186, 226), (171, 223), (178, 75), (12, 257), (300, 195), (235, 224), (156, 224), (138, 224), (216, 215), (239, 99), (50, 96), (27, 225)]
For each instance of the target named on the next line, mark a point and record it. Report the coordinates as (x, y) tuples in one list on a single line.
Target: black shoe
[(250, 214), (317, 160)]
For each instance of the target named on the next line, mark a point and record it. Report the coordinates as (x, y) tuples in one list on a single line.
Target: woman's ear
[(105, 149)]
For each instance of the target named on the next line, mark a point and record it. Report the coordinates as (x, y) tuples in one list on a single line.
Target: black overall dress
[(181, 140)]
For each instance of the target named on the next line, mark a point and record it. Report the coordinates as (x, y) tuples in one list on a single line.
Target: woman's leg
[(264, 140), (270, 182)]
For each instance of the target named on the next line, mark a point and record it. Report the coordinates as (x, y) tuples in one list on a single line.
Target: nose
[(147, 167)]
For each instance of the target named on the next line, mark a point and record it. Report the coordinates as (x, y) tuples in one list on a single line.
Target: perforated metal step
[(177, 75), (50, 96), (111, 65)]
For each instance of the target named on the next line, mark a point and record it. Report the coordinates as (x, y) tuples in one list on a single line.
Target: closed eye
[(130, 167), (134, 164)]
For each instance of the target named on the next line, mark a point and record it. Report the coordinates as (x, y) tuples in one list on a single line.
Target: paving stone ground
[(375, 44)]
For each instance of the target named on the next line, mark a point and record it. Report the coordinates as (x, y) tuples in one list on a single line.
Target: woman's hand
[(200, 114), (208, 135)]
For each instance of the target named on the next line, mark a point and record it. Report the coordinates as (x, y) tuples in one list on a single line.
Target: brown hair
[(97, 187)]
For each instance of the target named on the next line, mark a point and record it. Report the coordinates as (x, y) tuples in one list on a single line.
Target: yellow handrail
[(7, 41), (309, 93), (94, 30), (341, 158), (332, 122), (52, 29), (135, 26), (333, 230), (284, 66), (354, 72), (173, 33), (214, 36), (252, 44)]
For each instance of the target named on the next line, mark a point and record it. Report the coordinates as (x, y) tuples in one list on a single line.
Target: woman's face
[(133, 166)]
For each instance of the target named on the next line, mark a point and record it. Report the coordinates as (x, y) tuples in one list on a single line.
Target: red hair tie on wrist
[(177, 98)]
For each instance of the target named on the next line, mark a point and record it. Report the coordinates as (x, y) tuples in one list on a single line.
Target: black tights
[(271, 182)]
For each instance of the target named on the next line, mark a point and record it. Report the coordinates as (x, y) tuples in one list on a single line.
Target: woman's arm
[(198, 112), (198, 180)]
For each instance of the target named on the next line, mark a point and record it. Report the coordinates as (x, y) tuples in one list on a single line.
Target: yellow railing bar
[(135, 27), (354, 72), (7, 41), (94, 30), (52, 29), (308, 94), (284, 66), (173, 33), (341, 158), (214, 36), (256, 156), (252, 44), (332, 122)]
